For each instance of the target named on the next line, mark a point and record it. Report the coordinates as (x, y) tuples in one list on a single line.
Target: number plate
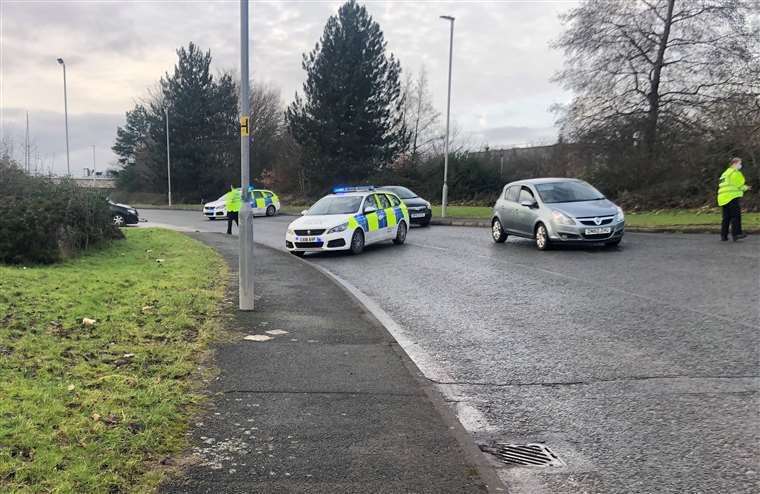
[(418, 215), (307, 239), (598, 231)]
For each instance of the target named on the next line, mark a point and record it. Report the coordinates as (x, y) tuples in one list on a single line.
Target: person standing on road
[(232, 205), (730, 191)]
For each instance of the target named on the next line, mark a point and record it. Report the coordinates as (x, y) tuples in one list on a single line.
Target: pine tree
[(349, 122)]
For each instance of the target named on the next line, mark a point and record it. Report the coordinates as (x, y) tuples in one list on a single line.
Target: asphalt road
[(639, 367)]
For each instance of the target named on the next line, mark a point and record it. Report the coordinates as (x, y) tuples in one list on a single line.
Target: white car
[(265, 203), (349, 219)]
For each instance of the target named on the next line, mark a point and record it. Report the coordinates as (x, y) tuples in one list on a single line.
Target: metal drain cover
[(524, 455)]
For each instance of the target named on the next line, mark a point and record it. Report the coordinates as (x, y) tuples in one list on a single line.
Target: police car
[(349, 219), (264, 203)]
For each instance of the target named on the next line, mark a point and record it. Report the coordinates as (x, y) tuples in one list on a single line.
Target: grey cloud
[(116, 51)]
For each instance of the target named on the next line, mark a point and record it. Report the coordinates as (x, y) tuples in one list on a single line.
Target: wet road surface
[(639, 366)]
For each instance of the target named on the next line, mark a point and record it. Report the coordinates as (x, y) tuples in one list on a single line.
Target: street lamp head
[(448, 18), (60, 61)]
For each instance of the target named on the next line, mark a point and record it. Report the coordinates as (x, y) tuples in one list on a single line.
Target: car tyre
[(297, 253), (119, 220), (271, 210), (542, 237), (357, 241), (614, 243), (497, 231), (400, 234)]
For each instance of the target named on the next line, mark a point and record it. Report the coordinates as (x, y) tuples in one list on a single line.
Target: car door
[(386, 223), (373, 225), (257, 204), (508, 208), (525, 216)]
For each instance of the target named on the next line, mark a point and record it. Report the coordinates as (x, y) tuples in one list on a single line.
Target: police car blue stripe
[(362, 220), (382, 221), (399, 214)]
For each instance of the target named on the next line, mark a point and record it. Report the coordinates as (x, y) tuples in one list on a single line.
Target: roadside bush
[(43, 222)]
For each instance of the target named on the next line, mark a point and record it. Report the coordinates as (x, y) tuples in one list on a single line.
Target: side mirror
[(529, 204), (303, 213)]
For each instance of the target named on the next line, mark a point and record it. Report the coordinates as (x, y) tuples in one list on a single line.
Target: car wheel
[(497, 232), (297, 253), (400, 234), (119, 220), (357, 241), (542, 237), (271, 210), (613, 243)]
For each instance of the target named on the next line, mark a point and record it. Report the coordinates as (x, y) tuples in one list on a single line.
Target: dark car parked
[(419, 209), (123, 215)]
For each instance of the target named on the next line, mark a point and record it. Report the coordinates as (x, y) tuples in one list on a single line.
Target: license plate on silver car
[(598, 231)]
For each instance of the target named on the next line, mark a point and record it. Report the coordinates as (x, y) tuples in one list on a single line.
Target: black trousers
[(732, 214), (232, 216)]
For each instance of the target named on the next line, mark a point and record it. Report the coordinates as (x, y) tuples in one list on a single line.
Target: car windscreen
[(402, 192), (335, 205), (570, 191)]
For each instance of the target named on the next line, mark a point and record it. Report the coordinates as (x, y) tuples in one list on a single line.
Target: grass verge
[(683, 219), (95, 408)]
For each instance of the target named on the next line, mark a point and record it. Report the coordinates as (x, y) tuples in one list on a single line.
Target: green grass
[(685, 219), (468, 212), (96, 408), (179, 207), (669, 218)]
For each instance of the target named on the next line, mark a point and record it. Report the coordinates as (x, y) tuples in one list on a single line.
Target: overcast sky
[(115, 51)]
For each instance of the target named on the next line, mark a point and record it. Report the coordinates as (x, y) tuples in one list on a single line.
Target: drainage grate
[(530, 455)]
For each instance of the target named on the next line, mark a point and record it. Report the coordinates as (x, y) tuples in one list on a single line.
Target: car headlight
[(619, 216), (291, 232), (340, 228), (132, 211), (427, 205), (561, 218)]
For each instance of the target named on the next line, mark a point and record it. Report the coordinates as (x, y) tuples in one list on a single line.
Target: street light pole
[(93, 165), (66, 116), (168, 162), (245, 257), (445, 192)]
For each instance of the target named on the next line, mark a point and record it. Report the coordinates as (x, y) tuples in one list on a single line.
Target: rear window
[(512, 193), (384, 203)]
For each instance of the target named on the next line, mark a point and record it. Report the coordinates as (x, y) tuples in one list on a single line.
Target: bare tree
[(420, 114), (644, 60)]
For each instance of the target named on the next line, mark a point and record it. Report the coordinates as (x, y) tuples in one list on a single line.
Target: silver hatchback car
[(556, 211)]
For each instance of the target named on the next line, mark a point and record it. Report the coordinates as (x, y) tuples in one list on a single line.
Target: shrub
[(43, 222)]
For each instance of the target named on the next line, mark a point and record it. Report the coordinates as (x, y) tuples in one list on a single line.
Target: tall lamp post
[(445, 192), (168, 162), (245, 256), (66, 116)]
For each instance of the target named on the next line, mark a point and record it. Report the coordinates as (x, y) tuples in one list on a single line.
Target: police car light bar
[(360, 188)]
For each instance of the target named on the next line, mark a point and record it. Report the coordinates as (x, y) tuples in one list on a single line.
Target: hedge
[(43, 221)]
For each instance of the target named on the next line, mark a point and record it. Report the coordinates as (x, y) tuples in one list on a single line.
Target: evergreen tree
[(350, 121), (203, 133)]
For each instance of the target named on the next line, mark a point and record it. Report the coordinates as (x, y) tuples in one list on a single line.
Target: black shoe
[(740, 236)]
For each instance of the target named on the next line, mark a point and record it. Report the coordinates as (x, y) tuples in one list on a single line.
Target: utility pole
[(245, 257), (27, 157), (93, 165), (66, 116), (168, 161), (445, 192)]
